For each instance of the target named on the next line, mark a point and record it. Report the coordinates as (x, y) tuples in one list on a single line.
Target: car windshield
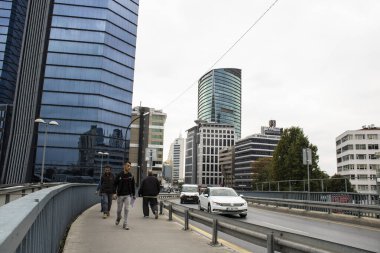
[(189, 189), (223, 192)]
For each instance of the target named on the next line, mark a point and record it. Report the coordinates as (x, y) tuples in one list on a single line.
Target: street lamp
[(101, 162), (52, 123), (126, 132)]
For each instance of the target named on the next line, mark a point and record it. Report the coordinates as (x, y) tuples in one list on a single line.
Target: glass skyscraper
[(83, 79), (12, 19), (219, 97)]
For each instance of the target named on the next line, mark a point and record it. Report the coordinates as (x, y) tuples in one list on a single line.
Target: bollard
[(214, 241), (170, 212), (7, 198), (186, 220), (161, 208), (270, 243)]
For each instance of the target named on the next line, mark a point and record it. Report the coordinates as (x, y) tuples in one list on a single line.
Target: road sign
[(306, 156), (150, 154)]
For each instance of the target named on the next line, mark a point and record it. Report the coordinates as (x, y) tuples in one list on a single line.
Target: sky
[(313, 64)]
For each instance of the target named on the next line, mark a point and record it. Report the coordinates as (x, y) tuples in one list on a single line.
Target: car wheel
[(209, 208), (243, 215)]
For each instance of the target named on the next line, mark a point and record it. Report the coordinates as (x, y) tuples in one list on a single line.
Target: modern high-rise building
[(147, 134), (77, 68), (236, 163), (357, 153), (12, 21), (219, 97), (202, 152), (177, 159)]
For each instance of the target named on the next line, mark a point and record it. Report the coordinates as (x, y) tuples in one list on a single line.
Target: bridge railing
[(37, 222), (12, 192), (372, 211), (340, 197), (272, 239)]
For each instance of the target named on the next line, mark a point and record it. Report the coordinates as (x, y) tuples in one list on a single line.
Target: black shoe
[(156, 215), (146, 216), (125, 227), (117, 222)]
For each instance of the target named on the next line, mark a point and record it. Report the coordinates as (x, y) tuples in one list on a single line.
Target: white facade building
[(356, 157), (202, 152), (177, 158)]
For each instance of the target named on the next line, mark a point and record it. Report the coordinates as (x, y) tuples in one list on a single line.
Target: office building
[(147, 141), (245, 152), (219, 97), (176, 159), (12, 21), (203, 143), (227, 166), (357, 157), (76, 68)]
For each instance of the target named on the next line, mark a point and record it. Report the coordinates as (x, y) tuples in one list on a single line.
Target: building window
[(372, 177), (374, 166), (372, 136), (352, 177), (361, 156), (360, 147), (373, 146), (362, 176), (373, 187), (359, 136), (361, 166), (362, 187)]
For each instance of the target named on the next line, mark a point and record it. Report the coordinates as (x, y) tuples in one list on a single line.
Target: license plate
[(231, 208)]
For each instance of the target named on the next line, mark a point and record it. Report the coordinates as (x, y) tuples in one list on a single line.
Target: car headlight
[(216, 203)]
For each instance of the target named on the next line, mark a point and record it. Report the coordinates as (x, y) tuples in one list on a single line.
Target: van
[(189, 194)]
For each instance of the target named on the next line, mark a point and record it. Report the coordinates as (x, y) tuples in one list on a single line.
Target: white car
[(223, 200), (189, 193)]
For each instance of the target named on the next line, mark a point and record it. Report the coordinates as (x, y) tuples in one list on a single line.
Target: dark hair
[(127, 162), (108, 166)]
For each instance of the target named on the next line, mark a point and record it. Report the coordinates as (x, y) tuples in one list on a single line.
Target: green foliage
[(262, 169), (287, 158), (338, 184)]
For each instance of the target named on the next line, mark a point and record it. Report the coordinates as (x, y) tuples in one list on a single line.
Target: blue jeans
[(106, 202)]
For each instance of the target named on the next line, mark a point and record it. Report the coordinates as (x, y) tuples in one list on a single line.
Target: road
[(349, 234)]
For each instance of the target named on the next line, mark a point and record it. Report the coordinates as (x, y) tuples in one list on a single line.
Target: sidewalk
[(91, 233)]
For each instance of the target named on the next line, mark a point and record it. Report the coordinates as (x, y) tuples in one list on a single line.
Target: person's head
[(127, 166), (150, 173), (107, 169)]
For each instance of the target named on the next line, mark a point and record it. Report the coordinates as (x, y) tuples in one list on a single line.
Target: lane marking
[(209, 236), (286, 228)]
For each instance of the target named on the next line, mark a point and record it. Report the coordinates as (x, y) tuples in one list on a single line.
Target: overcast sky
[(313, 64)]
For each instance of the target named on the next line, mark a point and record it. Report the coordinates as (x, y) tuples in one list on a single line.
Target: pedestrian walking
[(124, 192), (149, 189), (105, 189)]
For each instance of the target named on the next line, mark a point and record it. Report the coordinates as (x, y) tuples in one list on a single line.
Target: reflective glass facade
[(219, 97), (12, 19), (87, 87)]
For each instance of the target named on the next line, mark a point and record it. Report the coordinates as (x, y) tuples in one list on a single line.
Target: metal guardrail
[(168, 195), (272, 239), (340, 197), (372, 211), (37, 222), (9, 193)]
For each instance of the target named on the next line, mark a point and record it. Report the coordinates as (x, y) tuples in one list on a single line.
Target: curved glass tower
[(219, 97), (78, 70)]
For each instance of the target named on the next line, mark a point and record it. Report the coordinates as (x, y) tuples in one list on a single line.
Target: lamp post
[(52, 123), (101, 162), (126, 133)]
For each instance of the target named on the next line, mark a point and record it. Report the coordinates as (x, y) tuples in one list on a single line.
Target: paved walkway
[(91, 233)]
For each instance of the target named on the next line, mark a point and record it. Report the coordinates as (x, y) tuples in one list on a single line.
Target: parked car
[(223, 200), (189, 193)]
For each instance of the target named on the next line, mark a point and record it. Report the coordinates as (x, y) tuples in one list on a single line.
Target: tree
[(262, 170), (287, 158), (338, 183)]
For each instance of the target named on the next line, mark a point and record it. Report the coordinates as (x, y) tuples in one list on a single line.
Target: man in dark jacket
[(106, 186), (124, 190), (149, 189)]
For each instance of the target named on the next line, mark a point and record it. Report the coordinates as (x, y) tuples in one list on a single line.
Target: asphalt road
[(349, 234)]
